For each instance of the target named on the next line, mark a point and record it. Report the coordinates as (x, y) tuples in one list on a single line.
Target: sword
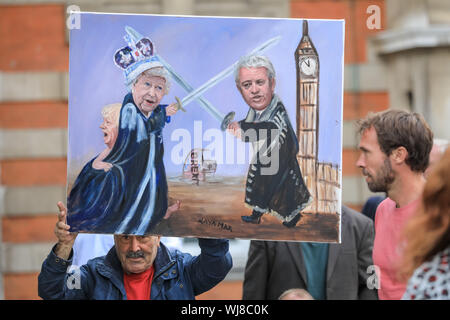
[(196, 94), (224, 120)]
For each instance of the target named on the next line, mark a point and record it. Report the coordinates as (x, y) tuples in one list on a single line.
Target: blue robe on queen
[(130, 198)]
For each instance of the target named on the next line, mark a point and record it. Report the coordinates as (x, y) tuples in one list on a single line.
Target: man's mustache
[(135, 254), (365, 173)]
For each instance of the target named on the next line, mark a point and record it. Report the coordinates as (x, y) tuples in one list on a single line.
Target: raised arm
[(65, 238), (54, 282), (211, 266)]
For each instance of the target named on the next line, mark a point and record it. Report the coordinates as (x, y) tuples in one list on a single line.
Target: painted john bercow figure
[(130, 195), (274, 181)]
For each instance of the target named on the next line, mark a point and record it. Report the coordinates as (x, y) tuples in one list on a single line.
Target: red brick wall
[(35, 114), (21, 286), (32, 38)]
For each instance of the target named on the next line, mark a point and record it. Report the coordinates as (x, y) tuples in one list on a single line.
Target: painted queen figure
[(129, 194)]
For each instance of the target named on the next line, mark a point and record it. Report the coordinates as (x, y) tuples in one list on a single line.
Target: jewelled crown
[(136, 57)]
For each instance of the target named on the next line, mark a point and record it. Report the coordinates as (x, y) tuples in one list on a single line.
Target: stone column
[(183, 7), (416, 51)]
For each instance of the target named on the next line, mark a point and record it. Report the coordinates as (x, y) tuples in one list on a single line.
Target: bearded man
[(394, 153)]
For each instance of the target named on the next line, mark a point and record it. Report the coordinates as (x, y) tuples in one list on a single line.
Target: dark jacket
[(274, 266), (177, 275)]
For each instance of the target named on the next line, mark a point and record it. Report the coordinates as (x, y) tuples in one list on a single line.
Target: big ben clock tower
[(307, 65)]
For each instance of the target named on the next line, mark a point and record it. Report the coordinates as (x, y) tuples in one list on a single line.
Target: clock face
[(308, 66)]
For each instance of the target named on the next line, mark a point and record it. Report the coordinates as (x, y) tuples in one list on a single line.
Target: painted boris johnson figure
[(128, 193), (274, 181)]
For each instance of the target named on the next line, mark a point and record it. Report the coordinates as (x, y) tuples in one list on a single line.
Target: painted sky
[(198, 48)]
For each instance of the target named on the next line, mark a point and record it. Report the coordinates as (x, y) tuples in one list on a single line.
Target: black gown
[(274, 182)]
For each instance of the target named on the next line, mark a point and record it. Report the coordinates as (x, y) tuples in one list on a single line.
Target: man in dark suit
[(327, 271)]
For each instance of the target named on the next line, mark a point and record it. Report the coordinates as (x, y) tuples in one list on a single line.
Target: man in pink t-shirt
[(389, 223), (394, 153)]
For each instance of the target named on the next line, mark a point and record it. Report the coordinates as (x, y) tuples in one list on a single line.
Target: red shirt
[(389, 224), (138, 285)]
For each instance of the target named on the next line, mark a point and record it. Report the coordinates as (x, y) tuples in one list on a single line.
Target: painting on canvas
[(206, 127)]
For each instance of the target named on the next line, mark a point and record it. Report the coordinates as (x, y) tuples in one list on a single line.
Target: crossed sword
[(197, 93)]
